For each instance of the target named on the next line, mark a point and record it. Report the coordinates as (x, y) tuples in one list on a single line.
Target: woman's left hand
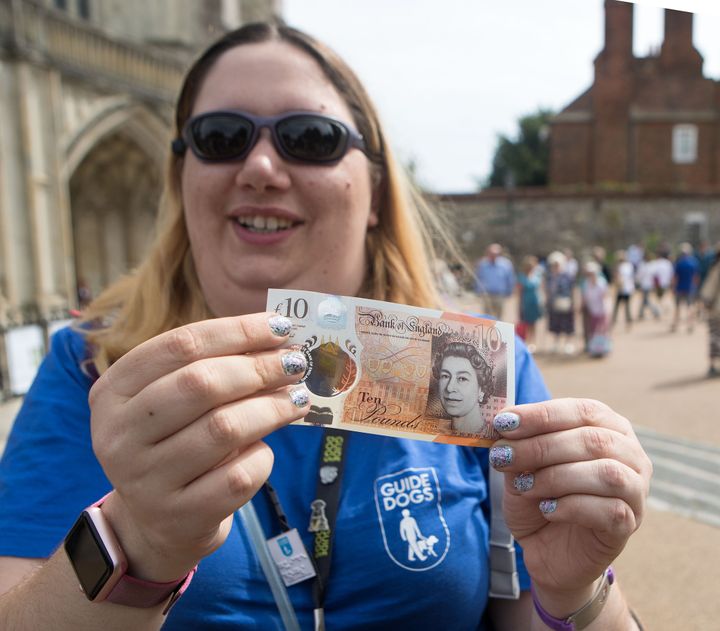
[(576, 484)]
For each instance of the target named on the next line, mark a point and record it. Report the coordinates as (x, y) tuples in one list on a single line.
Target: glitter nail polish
[(300, 397), (548, 506), (280, 325), (506, 422), (501, 456), (524, 482), (293, 363)]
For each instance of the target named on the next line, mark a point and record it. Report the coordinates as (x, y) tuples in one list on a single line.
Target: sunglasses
[(298, 136)]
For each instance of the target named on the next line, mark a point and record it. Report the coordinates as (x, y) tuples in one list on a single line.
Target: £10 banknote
[(402, 371)]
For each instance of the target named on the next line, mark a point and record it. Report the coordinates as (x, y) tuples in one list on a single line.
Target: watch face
[(88, 555)]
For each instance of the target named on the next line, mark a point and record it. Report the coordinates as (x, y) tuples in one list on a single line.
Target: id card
[(291, 558)]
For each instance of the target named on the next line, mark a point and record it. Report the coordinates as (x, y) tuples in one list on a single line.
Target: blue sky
[(449, 76)]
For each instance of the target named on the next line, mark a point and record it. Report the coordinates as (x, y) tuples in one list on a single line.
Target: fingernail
[(548, 506), (501, 456), (293, 363), (280, 325), (506, 422), (300, 397), (524, 482)]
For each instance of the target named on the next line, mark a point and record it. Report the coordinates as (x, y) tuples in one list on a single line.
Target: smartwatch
[(100, 566)]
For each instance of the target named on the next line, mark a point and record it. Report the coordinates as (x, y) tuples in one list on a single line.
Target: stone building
[(86, 95), (635, 158)]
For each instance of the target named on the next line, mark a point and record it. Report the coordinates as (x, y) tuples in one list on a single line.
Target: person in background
[(594, 291), (645, 276), (494, 280), (663, 273), (705, 256), (710, 295), (559, 288), (169, 406), (529, 284), (624, 287), (685, 286), (572, 267), (599, 255)]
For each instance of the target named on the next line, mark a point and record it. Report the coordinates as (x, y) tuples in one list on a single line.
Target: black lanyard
[(324, 513)]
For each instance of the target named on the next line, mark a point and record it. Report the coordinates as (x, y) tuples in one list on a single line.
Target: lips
[(264, 226)]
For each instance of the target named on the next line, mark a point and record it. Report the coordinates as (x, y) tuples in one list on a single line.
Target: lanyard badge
[(287, 549), (291, 558)]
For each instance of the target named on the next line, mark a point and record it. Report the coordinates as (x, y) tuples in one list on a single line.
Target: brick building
[(634, 159), (650, 124)]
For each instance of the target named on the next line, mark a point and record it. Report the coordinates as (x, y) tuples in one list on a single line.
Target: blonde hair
[(164, 292)]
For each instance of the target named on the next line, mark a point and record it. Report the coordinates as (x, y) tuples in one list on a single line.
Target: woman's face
[(459, 387), (314, 218)]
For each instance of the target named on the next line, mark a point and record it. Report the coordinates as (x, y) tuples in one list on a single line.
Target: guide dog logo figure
[(413, 527)]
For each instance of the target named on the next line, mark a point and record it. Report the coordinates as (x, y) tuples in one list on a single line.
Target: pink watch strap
[(135, 592)]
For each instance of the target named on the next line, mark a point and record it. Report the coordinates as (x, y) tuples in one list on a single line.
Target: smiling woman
[(172, 399)]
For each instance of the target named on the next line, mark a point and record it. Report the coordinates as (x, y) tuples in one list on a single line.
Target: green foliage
[(523, 161)]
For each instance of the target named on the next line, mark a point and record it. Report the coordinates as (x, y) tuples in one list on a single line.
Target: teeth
[(261, 223)]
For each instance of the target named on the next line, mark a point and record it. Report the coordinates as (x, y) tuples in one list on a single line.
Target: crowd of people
[(585, 299)]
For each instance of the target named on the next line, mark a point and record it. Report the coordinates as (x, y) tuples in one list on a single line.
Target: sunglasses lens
[(221, 136), (312, 138)]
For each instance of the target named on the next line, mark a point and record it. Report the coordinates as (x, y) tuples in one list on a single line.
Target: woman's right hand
[(177, 425)]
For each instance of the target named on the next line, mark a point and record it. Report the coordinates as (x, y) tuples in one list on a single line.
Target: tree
[(523, 161)]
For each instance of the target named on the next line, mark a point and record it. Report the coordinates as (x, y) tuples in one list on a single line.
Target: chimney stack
[(678, 53), (617, 54)]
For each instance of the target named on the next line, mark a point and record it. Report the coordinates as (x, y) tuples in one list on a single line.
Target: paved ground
[(670, 570)]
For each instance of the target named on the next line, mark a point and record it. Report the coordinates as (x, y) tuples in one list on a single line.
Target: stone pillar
[(18, 281), (43, 208)]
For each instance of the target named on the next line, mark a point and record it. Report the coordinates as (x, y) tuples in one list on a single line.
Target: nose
[(450, 386), (263, 168)]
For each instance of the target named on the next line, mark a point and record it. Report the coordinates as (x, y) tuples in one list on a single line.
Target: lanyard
[(324, 513)]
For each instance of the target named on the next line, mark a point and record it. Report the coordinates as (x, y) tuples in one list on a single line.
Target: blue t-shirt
[(687, 269), (49, 473)]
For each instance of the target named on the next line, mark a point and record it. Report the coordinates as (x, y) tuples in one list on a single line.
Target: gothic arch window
[(684, 144)]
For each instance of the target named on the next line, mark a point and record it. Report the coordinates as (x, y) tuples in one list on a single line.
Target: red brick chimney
[(678, 53), (618, 33), (612, 93)]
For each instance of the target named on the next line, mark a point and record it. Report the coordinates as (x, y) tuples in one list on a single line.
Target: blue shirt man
[(494, 280)]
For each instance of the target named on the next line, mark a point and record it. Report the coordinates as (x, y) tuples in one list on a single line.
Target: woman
[(561, 303), (465, 382), (710, 295), (195, 392), (529, 288)]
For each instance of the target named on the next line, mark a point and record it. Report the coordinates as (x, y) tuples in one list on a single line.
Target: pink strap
[(135, 592)]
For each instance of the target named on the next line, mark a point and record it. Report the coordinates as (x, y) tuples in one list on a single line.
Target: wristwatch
[(100, 566), (583, 616)]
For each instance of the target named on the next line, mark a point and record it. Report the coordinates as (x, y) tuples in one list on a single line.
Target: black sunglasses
[(299, 136)]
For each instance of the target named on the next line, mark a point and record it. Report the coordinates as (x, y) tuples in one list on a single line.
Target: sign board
[(25, 347)]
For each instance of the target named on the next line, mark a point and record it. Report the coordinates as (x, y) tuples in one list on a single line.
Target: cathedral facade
[(87, 89)]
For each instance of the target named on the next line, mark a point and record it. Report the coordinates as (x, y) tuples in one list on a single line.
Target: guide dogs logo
[(413, 527)]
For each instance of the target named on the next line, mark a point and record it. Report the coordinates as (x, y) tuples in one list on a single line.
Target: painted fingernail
[(548, 506), (280, 325), (294, 363), (300, 397), (501, 456), (524, 482), (506, 422)]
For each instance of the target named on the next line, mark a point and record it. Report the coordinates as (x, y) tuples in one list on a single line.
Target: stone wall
[(537, 222)]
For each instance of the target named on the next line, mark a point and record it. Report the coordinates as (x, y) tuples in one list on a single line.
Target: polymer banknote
[(397, 370)]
